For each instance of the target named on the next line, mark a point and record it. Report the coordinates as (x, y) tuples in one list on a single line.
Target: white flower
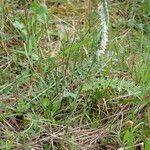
[(103, 11)]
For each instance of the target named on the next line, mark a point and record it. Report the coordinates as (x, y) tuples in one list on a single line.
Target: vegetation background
[(54, 94)]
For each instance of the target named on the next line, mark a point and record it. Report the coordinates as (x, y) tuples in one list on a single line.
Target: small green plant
[(129, 139), (51, 108), (22, 106), (32, 29)]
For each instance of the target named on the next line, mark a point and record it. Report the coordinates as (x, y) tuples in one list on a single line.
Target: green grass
[(55, 95)]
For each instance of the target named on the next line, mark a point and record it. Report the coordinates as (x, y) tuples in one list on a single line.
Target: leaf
[(126, 136), (69, 94), (147, 144), (20, 26), (35, 56), (40, 11), (2, 105), (22, 106), (38, 8), (46, 102), (129, 138), (56, 106)]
